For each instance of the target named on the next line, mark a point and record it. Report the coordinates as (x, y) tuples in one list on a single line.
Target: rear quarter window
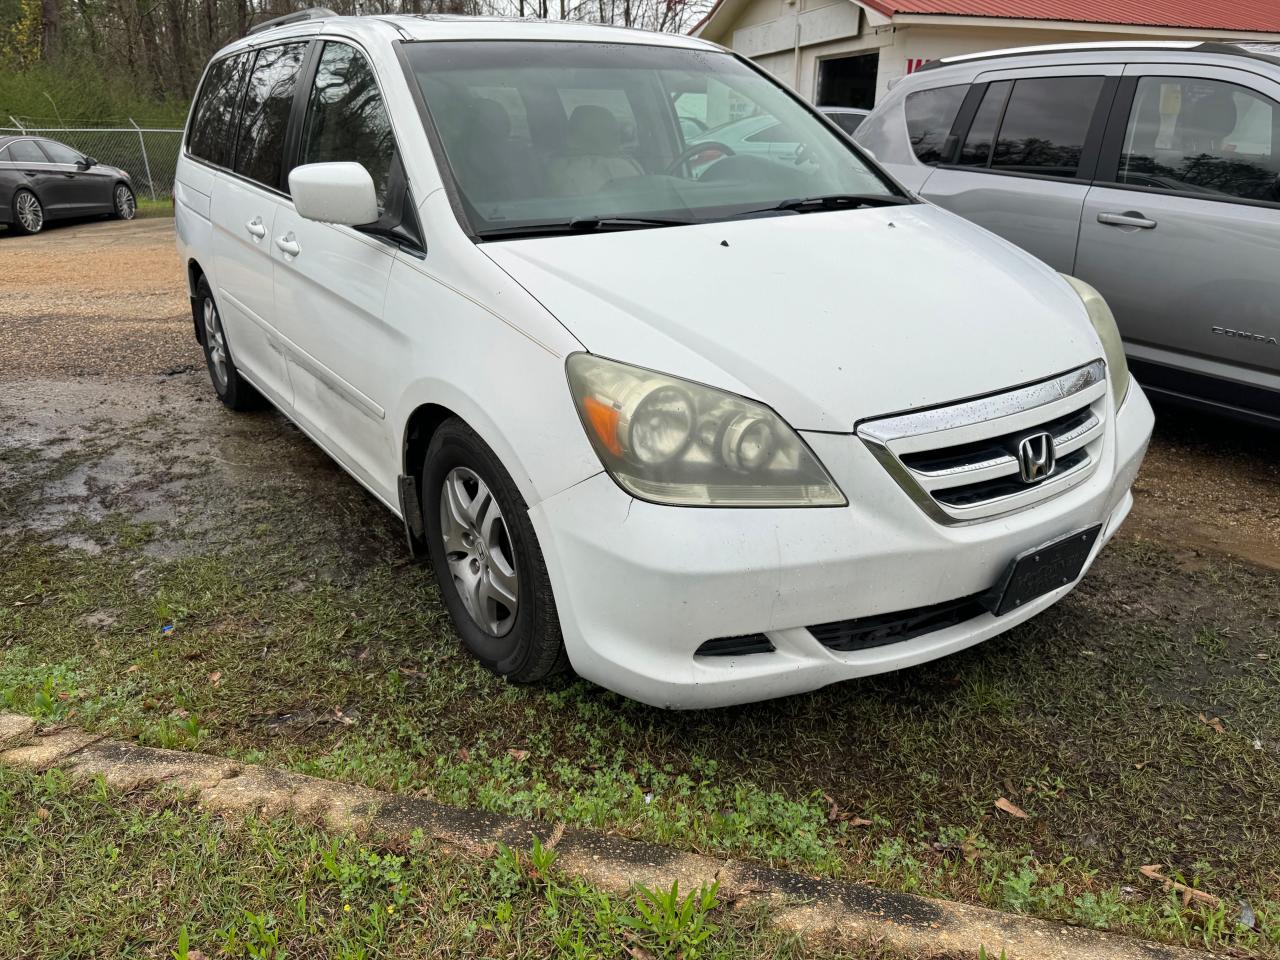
[(930, 114), (213, 121)]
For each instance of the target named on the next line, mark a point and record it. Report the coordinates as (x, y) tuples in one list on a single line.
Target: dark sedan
[(43, 180)]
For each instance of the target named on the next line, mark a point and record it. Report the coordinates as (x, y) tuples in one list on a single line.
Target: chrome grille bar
[(959, 462)]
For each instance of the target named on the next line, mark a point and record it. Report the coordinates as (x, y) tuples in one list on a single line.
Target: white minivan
[(709, 426)]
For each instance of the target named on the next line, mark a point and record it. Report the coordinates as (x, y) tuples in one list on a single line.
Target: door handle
[(289, 244), (256, 228), (1130, 218)]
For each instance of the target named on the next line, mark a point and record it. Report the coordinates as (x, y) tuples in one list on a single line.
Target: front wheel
[(28, 212), (124, 205), (486, 558)]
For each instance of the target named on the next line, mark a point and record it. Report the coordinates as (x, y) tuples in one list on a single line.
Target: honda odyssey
[(707, 426)]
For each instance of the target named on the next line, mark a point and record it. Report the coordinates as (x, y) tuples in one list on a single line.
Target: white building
[(846, 52)]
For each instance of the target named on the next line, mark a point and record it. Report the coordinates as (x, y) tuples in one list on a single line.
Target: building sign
[(914, 64)]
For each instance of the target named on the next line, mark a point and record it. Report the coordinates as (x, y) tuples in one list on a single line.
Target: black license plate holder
[(1040, 570)]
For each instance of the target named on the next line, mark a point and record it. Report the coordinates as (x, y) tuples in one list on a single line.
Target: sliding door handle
[(288, 244)]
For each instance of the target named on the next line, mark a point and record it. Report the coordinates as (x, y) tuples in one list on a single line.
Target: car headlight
[(675, 442), (1104, 322)]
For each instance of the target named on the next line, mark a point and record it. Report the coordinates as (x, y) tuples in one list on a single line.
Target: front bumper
[(639, 587)]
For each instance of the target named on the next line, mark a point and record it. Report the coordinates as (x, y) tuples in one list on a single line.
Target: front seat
[(492, 165), (593, 154)]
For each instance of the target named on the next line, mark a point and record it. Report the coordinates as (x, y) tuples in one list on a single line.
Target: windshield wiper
[(624, 223), (579, 225), (833, 201)]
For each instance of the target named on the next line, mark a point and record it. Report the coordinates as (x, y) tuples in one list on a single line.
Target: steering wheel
[(694, 150)]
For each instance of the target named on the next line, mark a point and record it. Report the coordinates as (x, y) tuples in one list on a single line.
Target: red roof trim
[(1246, 16)]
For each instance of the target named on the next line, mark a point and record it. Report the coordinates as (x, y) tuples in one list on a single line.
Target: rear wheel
[(124, 206), (28, 212), (232, 389), (487, 560)]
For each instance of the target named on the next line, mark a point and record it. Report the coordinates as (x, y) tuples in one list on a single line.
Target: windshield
[(545, 134)]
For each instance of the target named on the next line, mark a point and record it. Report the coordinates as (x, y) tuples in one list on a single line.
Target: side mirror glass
[(334, 193)]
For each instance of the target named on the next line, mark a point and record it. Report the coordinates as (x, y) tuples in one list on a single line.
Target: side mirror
[(88, 162), (334, 193)]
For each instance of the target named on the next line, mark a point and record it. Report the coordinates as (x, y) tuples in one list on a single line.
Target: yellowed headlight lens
[(1104, 322)]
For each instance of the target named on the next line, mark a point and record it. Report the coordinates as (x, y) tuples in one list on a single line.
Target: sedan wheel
[(30, 214), (126, 207), (477, 545)]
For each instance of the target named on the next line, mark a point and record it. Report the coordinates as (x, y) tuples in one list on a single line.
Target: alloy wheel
[(216, 343), (477, 546), (126, 205), (30, 213)]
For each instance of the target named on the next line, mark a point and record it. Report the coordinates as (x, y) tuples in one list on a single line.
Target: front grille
[(959, 462), (863, 633), (735, 646)]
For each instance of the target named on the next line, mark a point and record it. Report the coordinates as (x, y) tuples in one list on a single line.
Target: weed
[(673, 926)]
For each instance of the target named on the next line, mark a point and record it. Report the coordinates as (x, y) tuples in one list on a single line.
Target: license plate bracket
[(1040, 570)]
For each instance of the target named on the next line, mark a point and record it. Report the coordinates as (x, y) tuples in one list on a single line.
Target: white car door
[(243, 205), (331, 281)]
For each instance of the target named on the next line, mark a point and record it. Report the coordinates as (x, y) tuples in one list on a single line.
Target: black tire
[(233, 390), (532, 649), (124, 205), (26, 196)]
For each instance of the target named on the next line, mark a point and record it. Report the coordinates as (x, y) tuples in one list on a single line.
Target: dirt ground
[(185, 576), (1209, 485)]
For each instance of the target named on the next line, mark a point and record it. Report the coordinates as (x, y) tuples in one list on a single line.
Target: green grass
[(162, 207), (267, 614), (1097, 735), (84, 871)]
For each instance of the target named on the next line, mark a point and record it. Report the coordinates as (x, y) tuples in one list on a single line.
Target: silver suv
[(1149, 170)]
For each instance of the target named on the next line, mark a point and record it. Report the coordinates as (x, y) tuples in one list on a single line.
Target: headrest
[(594, 130), (490, 118)]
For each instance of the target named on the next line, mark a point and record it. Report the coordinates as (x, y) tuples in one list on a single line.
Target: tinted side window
[(59, 152), (264, 118), (1204, 136), (930, 114), (4, 154), (213, 120), (26, 151), (1045, 125), (346, 119), (976, 151)]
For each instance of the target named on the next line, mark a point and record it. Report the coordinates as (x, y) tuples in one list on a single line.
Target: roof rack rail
[(1240, 49), (311, 13)]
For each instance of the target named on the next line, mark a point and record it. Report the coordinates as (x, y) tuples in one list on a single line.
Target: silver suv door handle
[(1130, 218), (256, 228), (289, 244)]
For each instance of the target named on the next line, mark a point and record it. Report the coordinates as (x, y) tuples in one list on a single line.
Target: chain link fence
[(150, 154)]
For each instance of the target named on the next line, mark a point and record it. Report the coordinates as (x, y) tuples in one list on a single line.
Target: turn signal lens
[(677, 442)]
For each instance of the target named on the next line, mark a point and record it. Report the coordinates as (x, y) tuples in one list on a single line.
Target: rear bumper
[(640, 587)]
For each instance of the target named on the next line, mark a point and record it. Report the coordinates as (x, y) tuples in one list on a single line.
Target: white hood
[(828, 317)]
